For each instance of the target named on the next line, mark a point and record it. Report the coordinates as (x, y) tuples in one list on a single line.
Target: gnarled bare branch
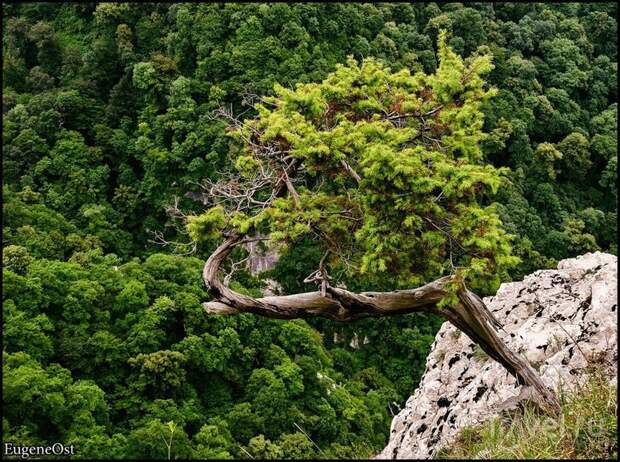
[(470, 314)]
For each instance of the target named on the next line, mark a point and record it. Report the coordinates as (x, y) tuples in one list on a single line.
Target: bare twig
[(309, 439)]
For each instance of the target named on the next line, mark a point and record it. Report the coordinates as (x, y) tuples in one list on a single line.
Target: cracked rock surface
[(556, 318)]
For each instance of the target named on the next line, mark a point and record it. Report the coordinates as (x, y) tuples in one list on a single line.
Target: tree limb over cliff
[(470, 314), (383, 172)]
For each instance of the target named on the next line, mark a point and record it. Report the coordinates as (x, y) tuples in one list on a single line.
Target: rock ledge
[(556, 318)]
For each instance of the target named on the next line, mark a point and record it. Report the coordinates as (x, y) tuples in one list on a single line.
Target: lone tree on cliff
[(384, 172)]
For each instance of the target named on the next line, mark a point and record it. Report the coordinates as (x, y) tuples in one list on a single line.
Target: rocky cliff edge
[(561, 320)]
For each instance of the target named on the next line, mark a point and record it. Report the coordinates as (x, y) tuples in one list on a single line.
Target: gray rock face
[(559, 319), (261, 259)]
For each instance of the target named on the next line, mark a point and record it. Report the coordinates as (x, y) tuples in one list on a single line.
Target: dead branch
[(470, 314)]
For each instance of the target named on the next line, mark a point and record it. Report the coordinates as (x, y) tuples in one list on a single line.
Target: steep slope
[(561, 320)]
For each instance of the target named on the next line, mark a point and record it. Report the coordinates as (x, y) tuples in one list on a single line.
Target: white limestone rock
[(556, 318)]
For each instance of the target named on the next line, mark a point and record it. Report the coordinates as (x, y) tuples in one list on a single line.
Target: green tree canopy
[(417, 197), (384, 172)]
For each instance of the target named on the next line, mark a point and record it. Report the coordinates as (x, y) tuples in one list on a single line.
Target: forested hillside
[(108, 124)]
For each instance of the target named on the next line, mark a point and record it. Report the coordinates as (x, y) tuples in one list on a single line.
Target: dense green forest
[(108, 121)]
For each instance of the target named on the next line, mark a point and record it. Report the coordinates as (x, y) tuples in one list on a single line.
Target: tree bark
[(470, 314)]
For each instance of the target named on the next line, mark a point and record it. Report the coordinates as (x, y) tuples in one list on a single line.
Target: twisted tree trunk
[(470, 314)]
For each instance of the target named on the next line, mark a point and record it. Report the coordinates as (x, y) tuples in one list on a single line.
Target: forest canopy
[(110, 128)]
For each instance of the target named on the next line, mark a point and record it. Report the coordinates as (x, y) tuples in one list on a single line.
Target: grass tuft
[(586, 429), (479, 354)]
